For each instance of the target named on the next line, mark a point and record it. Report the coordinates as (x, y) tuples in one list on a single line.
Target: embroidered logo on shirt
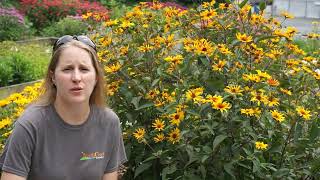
[(89, 156)]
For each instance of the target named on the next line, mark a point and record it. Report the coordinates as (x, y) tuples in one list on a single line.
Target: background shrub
[(22, 62), (12, 25), (68, 25), (41, 13)]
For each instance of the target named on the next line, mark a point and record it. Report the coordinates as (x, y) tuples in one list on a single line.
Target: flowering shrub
[(43, 12), (12, 24), (213, 93)]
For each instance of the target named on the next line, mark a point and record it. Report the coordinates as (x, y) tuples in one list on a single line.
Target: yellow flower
[(174, 59), (159, 138), (286, 15), (261, 145), (273, 82), (5, 122), (208, 14), (263, 74), (214, 99), (272, 101), (222, 106), (152, 94), (139, 134), (176, 118), (277, 115), (146, 48), (110, 23), (223, 49), (87, 15), (304, 113), (194, 94), (204, 47), (219, 66), (251, 112), (158, 125), (233, 89), (126, 24), (286, 91), (174, 136), (113, 68), (258, 97), (244, 38)]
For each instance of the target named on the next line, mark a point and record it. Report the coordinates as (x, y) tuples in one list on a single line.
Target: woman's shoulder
[(32, 115), (106, 115)]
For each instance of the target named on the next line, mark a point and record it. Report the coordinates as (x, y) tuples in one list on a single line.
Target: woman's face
[(74, 76)]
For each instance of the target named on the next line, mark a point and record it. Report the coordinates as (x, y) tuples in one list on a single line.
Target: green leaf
[(205, 61), (243, 3), (168, 170), (135, 101), (228, 168), (154, 82), (284, 172), (314, 131), (145, 106), (262, 5), (141, 168), (217, 141)]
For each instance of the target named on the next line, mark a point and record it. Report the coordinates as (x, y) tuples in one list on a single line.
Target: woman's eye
[(67, 69), (84, 69)]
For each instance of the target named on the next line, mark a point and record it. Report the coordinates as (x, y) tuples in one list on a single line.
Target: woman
[(68, 133)]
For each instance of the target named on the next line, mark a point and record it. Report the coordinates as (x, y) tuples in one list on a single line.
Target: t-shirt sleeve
[(17, 154), (118, 154)]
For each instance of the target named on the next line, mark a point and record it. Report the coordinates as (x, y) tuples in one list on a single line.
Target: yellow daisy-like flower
[(258, 97), (194, 94), (277, 115), (174, 136), (272, 101), (222, 106), (5, 122), (139, 134), (233, 89), (286, 91), (251, 112), (214, 99), (261, 145), (287, 15), (126, 24), (304, 113), (158, 125), (219, 66), (159, 138), (244, 38), (208, 14), (273, 82), (176, 118), (113, 68)]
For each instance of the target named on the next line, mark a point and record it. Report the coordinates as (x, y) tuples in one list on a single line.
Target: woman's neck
[(72, 114)]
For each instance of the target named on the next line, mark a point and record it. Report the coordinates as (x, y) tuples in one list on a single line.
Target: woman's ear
[(53, 80)]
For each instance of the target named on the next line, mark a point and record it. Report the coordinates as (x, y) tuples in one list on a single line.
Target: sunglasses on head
[(67, 38)]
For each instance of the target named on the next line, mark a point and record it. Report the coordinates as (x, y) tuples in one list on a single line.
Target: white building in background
[(298, 8)]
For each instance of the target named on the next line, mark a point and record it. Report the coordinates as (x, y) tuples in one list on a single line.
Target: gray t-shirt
[(44, 147)]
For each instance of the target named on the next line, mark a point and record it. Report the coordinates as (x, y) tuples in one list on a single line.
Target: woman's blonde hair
[(48, 89)]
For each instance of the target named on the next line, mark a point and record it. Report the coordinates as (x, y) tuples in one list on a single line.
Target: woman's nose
[(76, 76)]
